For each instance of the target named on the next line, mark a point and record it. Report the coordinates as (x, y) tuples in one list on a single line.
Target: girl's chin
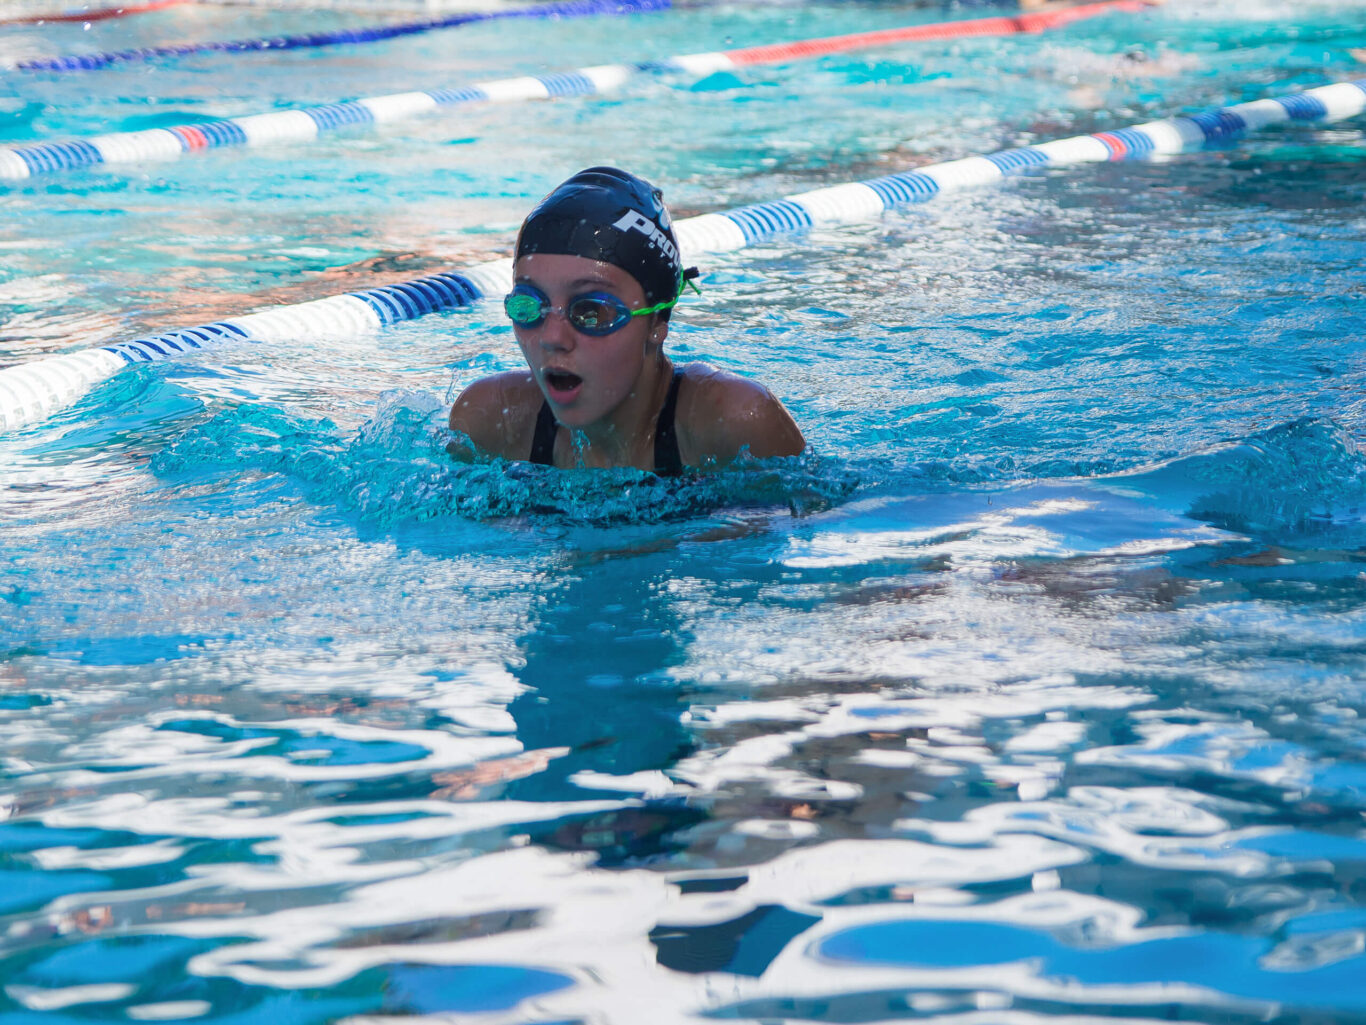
[(574, 420)]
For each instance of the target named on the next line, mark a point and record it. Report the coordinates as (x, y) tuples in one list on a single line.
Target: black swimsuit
[(668, 460)]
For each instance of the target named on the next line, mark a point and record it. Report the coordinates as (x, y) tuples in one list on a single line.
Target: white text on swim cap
[(633, 220)]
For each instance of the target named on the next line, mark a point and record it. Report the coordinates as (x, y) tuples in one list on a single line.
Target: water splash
[(1307, 476), (395, 468)]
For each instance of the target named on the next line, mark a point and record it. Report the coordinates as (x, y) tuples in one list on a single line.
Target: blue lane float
[(32, 391), (303, 124), (373, 34)]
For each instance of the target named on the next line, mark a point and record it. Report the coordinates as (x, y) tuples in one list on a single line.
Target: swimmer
[(596, 275)]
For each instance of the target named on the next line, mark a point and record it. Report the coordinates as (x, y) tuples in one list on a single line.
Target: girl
[(596, 274)]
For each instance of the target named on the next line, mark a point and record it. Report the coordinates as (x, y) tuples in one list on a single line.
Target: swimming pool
[(1032, 694)]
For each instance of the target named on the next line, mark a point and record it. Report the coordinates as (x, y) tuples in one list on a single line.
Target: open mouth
[(562, 383)]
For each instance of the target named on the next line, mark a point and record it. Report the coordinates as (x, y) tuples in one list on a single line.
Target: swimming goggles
[(593, 313)]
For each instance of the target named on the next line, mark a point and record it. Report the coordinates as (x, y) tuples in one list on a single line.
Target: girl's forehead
[(563, 270)]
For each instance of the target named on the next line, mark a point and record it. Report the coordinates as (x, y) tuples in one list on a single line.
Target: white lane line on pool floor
[(33, 391), (80, 62)]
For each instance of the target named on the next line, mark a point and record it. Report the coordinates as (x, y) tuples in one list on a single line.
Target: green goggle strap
[(655, 308), (685, 277)]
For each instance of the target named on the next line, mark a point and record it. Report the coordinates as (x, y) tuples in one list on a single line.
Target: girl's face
[(585, 378)]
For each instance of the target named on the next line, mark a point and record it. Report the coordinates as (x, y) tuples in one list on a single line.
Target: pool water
[(1032, 693)]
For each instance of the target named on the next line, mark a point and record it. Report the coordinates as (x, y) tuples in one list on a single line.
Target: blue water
[(1032, 693)]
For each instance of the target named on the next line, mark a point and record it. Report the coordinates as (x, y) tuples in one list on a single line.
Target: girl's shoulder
[(721, 414), (498, 414)]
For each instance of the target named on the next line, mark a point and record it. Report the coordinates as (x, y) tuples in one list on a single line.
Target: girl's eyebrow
[(527, 279)]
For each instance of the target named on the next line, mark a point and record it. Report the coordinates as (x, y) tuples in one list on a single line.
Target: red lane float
[(1039, 21), (99, 14)]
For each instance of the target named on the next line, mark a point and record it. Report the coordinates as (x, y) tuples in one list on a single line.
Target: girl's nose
[(555, 331)]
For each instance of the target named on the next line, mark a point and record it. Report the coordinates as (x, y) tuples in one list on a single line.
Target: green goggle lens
[(523, 309)]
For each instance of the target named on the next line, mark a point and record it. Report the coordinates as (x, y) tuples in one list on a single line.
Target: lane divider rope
[(302, 124), (569, 9), (98, 14), (33, 391)]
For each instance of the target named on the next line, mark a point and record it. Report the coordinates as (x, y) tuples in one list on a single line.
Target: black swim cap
[(611, 215)]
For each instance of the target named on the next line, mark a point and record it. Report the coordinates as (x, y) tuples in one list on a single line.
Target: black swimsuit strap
[(543, 441), (668, 459)]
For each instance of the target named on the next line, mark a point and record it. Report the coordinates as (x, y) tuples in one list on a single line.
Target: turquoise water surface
[(1033, 692)]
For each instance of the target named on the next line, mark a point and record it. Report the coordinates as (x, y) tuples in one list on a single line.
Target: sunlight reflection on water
[(1031, 694)]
